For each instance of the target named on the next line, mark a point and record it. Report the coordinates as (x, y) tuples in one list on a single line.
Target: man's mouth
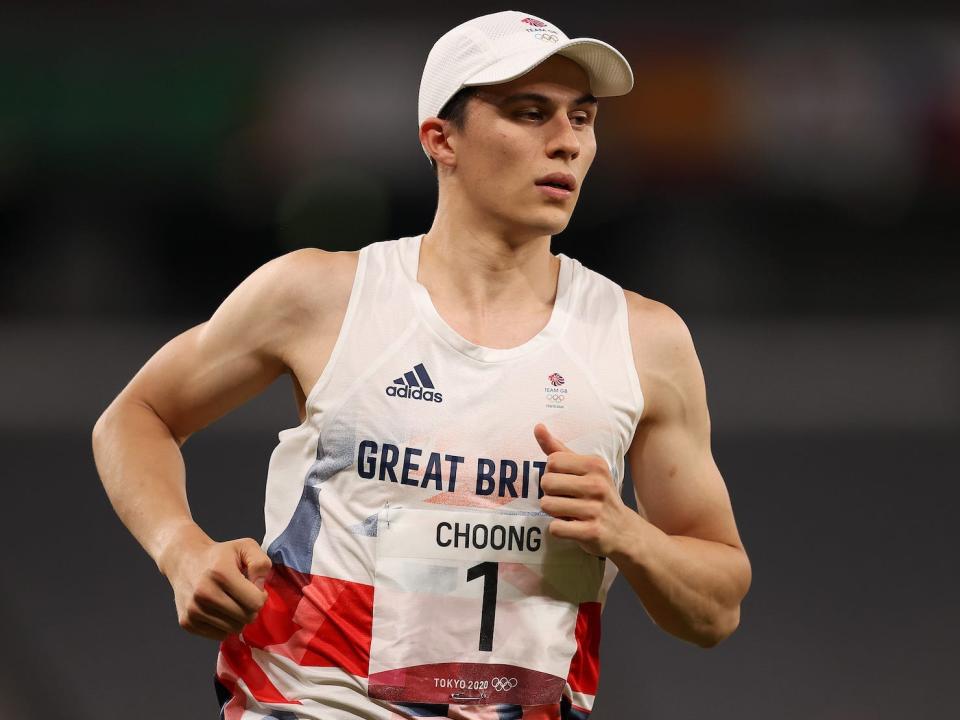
[(564, 181), (555, 191)]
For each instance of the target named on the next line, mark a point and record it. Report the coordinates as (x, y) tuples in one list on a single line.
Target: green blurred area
[(165, 108)]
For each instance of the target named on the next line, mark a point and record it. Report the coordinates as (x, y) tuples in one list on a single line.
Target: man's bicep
[(190, 382), (678, 486), (212, 368)]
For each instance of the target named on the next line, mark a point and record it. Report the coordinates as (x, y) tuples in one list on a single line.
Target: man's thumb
[(548, 443), (254, 562)]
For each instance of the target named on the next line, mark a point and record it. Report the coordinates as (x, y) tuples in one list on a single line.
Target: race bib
[(474, 607)]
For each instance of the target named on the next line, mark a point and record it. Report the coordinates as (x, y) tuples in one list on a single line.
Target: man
[(443, 526)]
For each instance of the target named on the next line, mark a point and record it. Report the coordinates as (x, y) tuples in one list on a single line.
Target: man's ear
[(437, 140)]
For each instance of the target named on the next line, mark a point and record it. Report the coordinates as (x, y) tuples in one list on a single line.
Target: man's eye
[(581, 119)]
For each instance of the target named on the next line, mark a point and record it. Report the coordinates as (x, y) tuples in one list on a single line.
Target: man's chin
[(541, 221), (541, 229), (554, 221)]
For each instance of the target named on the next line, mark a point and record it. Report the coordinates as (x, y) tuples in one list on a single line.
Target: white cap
[(497, 48)]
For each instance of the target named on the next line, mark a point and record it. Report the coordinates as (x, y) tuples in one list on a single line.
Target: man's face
[(520, 131)]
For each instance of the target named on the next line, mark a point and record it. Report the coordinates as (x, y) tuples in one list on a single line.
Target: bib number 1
[(488, 610)]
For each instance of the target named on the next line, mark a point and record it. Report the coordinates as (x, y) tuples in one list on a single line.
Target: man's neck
[(483, 272)]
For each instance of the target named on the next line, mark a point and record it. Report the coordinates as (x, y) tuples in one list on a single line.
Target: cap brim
[(609, 72)]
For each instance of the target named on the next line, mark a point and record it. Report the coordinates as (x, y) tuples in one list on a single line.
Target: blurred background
[(786, 175)]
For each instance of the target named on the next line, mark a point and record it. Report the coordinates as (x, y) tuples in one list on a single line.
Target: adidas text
[(415, 393)]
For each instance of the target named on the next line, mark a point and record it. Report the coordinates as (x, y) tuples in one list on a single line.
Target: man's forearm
[(692, 588), (142, 470)]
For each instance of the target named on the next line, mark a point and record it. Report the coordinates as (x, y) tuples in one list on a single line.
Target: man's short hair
[(455, 110)]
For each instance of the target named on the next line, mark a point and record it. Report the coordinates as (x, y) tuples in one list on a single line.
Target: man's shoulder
[(661, 342), (310, 264), (654, 322), (657, 332), (311, 278)]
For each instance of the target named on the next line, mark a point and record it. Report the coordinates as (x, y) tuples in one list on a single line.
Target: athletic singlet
[(413, 573)]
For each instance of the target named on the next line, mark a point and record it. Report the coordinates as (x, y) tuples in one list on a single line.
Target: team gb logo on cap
[(541, 30)]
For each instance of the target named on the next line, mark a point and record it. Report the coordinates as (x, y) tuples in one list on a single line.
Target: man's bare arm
[(194, 379), (684, 558)]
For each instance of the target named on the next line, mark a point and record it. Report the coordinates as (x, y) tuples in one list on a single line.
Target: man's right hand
[(217, 586)]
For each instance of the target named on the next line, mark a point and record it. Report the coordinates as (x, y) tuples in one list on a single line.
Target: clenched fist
[(217, 586), (578, 491)]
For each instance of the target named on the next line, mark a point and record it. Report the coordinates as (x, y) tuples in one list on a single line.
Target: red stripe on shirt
[(584, 675), (315, 620), (240, 659)]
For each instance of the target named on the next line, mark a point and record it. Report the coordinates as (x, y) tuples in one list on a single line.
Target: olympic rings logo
[(556, 398), (548, 37), (501, 684)]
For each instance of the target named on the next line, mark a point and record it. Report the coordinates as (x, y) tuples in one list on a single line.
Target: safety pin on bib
[(458, 696), (386, 514)]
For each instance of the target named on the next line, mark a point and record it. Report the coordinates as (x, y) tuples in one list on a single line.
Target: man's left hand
[(578, 491)]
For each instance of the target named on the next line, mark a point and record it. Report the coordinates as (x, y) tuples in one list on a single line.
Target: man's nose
[(563, 138)]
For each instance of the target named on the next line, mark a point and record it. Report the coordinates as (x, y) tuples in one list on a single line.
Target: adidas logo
[(416, 385)]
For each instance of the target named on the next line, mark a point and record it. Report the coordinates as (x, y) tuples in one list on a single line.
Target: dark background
[(786, 175)]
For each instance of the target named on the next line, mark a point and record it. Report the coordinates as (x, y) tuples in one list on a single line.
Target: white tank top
[(413, 572)]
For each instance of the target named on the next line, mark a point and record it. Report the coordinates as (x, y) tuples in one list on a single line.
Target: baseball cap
[(499, 47)]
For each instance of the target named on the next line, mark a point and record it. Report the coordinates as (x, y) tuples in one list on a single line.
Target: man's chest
[(431, 427)]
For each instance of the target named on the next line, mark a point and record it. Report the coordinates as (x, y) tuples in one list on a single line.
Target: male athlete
[(443, 526)]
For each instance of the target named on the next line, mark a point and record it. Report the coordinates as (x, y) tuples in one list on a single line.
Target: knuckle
[(203, 593), (194, 613), (253, 547), (241, 544)]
